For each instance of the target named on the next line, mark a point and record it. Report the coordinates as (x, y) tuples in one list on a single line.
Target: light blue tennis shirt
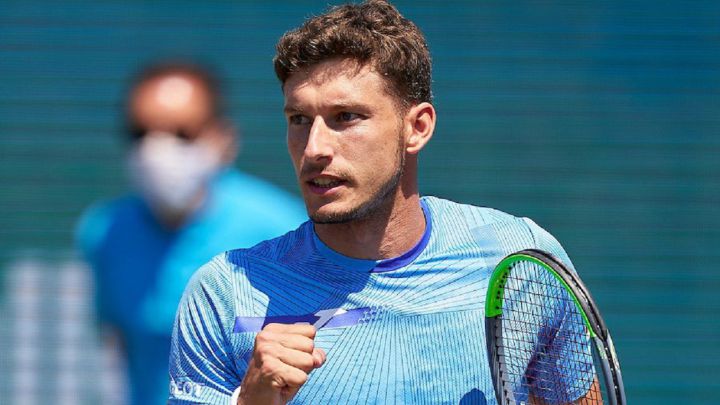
[(407, 330), (141, 267)]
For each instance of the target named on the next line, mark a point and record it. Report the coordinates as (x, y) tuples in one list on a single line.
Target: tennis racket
[(546, 340)]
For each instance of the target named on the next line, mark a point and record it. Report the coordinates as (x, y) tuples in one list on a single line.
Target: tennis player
[(379, 298)]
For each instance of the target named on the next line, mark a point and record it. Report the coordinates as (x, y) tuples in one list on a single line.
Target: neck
[(391, 231)]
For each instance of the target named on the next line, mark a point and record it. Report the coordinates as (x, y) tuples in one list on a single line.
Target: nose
[(320, 141)]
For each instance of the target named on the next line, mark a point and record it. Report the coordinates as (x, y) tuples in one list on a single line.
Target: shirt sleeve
[(202, 369), (543, 240)]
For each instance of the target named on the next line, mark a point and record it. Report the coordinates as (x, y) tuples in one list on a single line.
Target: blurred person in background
[(189, 205)]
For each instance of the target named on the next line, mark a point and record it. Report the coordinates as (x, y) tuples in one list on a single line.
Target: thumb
[(319, 357)]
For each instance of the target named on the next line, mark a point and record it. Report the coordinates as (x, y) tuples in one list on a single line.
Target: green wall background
[(600, 120)]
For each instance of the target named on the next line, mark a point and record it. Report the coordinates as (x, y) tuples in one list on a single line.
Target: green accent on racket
[(493, 305)]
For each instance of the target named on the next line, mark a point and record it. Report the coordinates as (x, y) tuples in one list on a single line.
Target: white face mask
[(171, 173)]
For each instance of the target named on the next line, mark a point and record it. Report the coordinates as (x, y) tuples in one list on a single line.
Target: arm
[(202, 366), (205, 367), (591, 397)]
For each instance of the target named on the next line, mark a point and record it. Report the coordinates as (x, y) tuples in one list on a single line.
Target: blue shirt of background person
[(144, 247)]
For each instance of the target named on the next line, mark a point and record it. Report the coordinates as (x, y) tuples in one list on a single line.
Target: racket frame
[(584, 302)]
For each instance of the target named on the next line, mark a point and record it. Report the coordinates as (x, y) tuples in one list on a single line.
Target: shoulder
[(97, 221), (476, 215), (232, 266), (225, 281), (214, 276), (289, 247), (209, 294), (452, 214), (489, 227)]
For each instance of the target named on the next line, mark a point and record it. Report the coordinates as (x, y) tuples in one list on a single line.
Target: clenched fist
[(283, 357)]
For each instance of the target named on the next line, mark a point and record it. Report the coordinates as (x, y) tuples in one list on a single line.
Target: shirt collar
[(376, 266)]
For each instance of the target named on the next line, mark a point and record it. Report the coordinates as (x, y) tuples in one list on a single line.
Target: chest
[(410, 337), (432, 358)]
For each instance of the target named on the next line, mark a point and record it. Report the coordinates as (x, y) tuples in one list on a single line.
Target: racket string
[(547, 353)]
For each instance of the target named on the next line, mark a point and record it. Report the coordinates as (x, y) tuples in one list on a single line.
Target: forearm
[(591, 397)]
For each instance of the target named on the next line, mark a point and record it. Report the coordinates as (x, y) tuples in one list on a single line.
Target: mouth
[(324, 184)]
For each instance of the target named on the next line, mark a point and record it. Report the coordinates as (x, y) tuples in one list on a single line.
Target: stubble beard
[(376, 203)]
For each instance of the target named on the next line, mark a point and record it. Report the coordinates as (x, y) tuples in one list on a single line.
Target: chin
[(322, 216), (346, 215), (333, 213)]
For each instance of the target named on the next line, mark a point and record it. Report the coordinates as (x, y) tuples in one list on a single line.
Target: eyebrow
[(290, 110), (342, 105), (349, 106)]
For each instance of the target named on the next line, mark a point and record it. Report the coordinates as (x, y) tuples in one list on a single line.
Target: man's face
[(345, 140), (179, 144)]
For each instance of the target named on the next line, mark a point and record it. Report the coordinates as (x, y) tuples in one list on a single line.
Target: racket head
[(546, 340)]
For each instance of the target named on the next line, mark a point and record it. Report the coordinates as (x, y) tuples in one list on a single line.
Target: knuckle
[(279, 381), (301, 343), (308, 347), (301, 379), (309, 331), (268, 371), (273, 327), (264, 353), (264, 336), (262, 348), (297, 379)]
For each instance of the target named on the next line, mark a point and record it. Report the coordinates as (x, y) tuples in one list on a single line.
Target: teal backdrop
[(600, 120)]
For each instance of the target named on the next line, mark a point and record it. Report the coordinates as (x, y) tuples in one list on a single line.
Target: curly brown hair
[(372, 33)]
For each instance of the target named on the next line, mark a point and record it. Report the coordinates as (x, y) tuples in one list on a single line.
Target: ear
[(224, 138), (233, 143), (419, 125)]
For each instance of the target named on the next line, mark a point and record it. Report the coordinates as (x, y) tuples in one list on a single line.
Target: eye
[(298, 119), (348, 116)]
